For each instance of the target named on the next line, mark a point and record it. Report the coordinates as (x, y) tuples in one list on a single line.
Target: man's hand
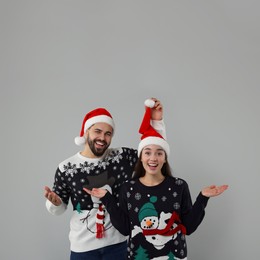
[(52, 196)]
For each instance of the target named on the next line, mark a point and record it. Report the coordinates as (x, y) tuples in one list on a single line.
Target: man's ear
[(86, 133)]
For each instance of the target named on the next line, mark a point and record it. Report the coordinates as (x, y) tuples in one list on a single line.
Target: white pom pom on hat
[(98, 115), (80, 140), (149, 103)]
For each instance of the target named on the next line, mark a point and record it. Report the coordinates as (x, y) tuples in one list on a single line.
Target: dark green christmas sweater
[(157, 218)]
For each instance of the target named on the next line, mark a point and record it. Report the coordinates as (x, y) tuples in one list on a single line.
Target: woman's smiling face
[(153, 158)]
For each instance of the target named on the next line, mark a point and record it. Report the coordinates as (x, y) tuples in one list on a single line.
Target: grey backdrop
[(59, 59)]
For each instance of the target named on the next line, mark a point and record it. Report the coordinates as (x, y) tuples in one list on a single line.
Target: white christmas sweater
[(156, 218), (114, 168)]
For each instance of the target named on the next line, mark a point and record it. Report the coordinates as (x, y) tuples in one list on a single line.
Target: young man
[(92, 236)]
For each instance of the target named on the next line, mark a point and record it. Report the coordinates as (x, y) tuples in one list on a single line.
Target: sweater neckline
[(90, 160), (154, 186)]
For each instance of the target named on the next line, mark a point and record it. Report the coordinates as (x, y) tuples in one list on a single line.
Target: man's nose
[(102, 136)]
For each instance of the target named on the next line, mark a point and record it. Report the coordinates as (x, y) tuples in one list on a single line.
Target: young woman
[(155, 208)]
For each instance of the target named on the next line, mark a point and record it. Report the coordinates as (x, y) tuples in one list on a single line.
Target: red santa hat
[(98, 115), (149, 134)]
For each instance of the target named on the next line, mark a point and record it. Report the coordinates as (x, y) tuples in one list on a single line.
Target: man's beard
[(97, 151)]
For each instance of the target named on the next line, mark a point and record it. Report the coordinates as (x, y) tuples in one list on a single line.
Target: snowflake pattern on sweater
[(114, 168)]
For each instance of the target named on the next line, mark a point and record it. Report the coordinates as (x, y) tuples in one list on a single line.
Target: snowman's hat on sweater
[(149, 134), (98, 115), (148, 209)]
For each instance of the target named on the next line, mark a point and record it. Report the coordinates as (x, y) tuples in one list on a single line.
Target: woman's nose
[(153, 157)]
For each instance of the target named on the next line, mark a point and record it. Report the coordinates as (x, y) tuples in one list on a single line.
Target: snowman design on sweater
[(156, 218), (157, 229), (90, 224), (98, 211)]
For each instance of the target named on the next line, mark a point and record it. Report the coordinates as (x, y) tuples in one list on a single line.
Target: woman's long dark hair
[(139, 170)]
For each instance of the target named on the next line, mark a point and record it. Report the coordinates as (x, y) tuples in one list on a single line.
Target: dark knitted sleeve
[(118, 214), (60, 187), (192, 215)]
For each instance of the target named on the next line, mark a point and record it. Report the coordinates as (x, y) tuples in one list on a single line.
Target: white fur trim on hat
[(154, 140), (99, 119)]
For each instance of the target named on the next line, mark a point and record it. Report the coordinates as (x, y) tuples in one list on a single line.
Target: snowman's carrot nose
[(149, 223)]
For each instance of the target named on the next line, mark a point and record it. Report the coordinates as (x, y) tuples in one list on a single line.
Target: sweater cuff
[(203, 199), (159, 126), (55, 210), (106, 198)]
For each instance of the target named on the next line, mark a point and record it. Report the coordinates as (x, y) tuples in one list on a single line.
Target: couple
[(156, 210)]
